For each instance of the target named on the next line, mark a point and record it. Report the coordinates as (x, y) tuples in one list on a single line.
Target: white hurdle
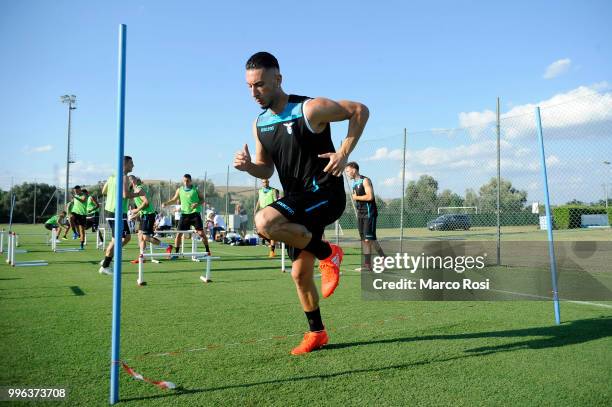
[(205, 277), (100, 243), (283, 257), (194, 244), (11, 251), (54, 244), (2, 233)]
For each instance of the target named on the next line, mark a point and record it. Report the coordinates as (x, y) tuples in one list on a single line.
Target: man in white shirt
[(218, 226)]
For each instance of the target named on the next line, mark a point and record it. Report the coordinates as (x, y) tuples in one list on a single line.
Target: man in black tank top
[(367, 214), (293, 134)]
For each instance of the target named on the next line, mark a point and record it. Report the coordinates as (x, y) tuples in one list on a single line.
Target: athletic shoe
[(271, 254), (330, 270), (169, 251), (208, 253), (64, 238), (105, 270), (206, 280), (312, 341), (136, 261)]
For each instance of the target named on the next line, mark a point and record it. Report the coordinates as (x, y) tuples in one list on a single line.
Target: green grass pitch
[(228, 342)]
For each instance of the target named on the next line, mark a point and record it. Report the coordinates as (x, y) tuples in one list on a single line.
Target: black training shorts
[(315, 210), (110, 217), (367, 227), (190, 219), (147, 223), (79, 220)]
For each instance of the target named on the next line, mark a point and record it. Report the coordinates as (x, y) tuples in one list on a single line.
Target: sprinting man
[(191, 201), (110, 190), (367, 213), (267, 196), (93, 212), (78, 213), (293, 134), (71, 223), (56, 222), (146, 210)]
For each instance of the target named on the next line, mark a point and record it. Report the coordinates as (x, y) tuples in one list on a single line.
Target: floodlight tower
[(71, 101)]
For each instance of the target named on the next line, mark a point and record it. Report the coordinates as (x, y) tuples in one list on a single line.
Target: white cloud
[(39, 149), (385, 153), (563, 113), (85, 173), (557, 68)]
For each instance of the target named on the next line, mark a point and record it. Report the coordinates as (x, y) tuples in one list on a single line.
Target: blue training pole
[(549, 223), (114, 382)]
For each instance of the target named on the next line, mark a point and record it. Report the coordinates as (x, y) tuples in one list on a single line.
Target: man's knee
[(266, 223)]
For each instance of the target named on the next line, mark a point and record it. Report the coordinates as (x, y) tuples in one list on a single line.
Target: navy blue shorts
[(314, 210), (110, 217), (367, 227), (147, 223)]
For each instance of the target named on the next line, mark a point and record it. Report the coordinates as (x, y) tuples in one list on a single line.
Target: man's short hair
[(126, 157), (188, 176), (262, 60), (84, 190), (354, 165), (77, 187)]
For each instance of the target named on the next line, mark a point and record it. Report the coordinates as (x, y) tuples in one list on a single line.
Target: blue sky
[(419, 65)]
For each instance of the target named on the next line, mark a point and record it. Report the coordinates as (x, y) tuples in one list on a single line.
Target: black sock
[(314, 320), (176, 249), (319, 248), (106, 261), (207, 248), (272, 247)]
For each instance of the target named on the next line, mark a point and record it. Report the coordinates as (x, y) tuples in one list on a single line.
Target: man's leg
[(82, 234), (177, 242), (302, 273), (202, 234), (272, 224), (272, 248)]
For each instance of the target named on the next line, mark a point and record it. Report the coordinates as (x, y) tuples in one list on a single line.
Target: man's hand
[(337, 162), (242, 159)]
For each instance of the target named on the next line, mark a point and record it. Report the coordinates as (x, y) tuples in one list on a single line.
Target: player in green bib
[(267, 196), (78, 212), (56, 222), (191, 205), (146, 210), (110, 190)]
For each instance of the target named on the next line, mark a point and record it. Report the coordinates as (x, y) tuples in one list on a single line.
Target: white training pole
[(12, 263), (140, 280), (1, 241), (9, 248), (53, 239), (193, 247), (283, 257)]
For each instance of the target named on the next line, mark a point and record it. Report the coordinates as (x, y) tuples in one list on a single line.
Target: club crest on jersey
[(289, 128)]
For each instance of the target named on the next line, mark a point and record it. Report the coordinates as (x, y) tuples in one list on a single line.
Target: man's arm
[(105, 188), (321, 111), (262, 167), (200, 200), (369, 191), (173, 199), (143, 196), (95, 201)]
